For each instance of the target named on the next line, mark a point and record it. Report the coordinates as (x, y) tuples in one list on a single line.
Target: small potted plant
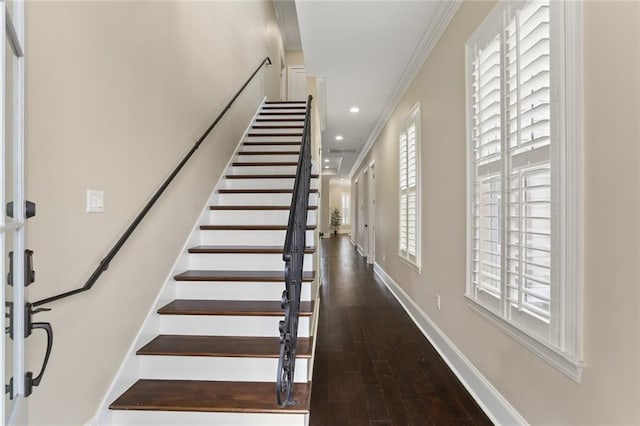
[(336, 220)]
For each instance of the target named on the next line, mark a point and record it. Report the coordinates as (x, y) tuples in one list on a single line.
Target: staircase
[(208, 353)]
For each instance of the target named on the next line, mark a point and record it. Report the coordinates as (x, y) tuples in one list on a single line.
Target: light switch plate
[(95, 201)]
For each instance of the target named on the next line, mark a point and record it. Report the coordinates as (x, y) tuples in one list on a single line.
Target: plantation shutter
[(412, 196), (511, 181), (528, 87), (409, 189), (404, 198)]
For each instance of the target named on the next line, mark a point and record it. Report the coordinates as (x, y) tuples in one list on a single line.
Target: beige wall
[(116, 94), (610, 387), (293, 57)]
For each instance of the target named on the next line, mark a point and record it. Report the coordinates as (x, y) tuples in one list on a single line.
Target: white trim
[(166, 293), (495, 406), (360, 250), (567, 365), (442, 16), (574, 201)]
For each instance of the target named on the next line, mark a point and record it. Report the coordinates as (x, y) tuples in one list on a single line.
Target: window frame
[(566, 353), (413, 117)]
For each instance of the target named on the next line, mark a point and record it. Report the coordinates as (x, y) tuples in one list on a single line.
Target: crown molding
[(438, 23)]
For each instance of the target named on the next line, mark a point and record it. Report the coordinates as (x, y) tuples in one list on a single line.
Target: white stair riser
[(266, 217), (263, 238), (220, 325), (236, 291), (266, 139), (182, 418), (242, 261), (243, 199), (292, 109), (271, 147), (216, 368), (268, 158), (264, 183), (262, 170), (276, 124), (296, 132)]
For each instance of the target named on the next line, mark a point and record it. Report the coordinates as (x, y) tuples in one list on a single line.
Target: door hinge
[(9, 330), (9, 388)]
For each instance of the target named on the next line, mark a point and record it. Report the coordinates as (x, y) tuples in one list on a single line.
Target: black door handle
[(30, 381)]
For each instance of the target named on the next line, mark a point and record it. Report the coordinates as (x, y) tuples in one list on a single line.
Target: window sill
[(409, 263), (567, 364)]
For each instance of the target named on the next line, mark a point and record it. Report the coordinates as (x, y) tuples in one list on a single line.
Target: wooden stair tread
[(262, 120), (271, 135), (244, 249), (265, 163), (230, 307), (288, 126), (269, 107), (270, 207), (268, 153), (249, 227), (284, 102), (221, 346), (250, 143), (265, 176), (281, 113), (260, 191), (248, 276), (209, 396)]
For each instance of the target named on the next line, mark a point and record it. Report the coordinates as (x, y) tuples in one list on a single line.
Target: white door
[(283, 80), (12, 202), (371, 221), (365, 212), (297, 87)]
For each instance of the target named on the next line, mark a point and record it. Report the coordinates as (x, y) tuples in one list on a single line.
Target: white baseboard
[(490, 400), (360, 250)]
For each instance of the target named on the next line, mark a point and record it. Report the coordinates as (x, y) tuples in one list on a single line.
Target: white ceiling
[(288, 23), (363, 50)]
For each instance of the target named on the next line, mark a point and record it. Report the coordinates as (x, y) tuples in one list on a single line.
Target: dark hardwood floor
[(373, 365)]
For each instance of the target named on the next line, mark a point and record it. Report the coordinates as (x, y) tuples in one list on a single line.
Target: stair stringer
[(128, 372)]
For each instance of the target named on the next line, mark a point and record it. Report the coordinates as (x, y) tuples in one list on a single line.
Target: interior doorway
[(371, 214), (297, 83)]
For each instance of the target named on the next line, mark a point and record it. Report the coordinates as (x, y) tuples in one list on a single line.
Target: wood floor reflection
[(373, 365)]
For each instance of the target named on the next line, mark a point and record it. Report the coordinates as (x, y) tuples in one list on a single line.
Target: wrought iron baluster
[(293, 256)]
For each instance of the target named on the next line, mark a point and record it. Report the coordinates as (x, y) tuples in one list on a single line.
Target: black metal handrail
[(104, 263), (293, 257)]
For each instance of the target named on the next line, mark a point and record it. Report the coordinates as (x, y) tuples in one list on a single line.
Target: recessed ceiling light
[(326, 160), (354, 109), (326, 167), (339, 138)]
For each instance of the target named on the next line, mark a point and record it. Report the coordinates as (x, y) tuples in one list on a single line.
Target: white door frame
[(371, 209), (364, 207), (283, 79), (12, 29)]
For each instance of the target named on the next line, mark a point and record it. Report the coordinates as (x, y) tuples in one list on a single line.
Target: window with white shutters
[(345, 208), (517, 169), (409, 142)]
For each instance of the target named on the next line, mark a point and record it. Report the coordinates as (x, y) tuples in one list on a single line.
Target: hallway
[(373, 365)]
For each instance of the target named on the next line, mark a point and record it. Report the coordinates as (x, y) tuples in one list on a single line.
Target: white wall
[(117, 92), (610, 387)]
